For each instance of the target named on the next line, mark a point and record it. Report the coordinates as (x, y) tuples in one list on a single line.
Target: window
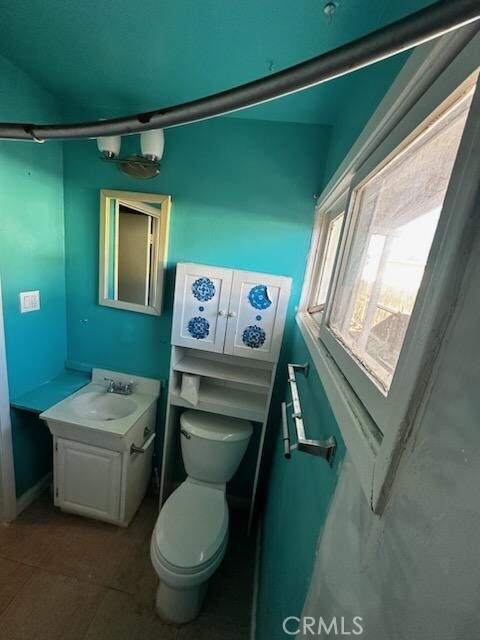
[(395, 212), (388, 252), (332, 230)]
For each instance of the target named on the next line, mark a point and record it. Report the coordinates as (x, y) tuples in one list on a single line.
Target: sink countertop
[(51, 392)]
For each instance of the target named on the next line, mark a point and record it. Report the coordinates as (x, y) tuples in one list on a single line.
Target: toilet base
[(179, 606)]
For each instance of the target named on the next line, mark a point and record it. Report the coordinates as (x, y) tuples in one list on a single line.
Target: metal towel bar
[(134, 449), (323, 448)]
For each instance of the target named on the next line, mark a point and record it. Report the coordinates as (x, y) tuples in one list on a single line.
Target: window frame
[(316, 281), (374, 425), (390, 410)]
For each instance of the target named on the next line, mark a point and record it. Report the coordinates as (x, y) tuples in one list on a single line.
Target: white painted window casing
[(374, 423), (8, 502), (331, 231)]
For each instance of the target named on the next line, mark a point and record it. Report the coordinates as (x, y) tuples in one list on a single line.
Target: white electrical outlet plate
[(29, 301)]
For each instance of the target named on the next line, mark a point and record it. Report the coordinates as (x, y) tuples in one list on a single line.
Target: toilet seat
[(191, 529), (191, 571)]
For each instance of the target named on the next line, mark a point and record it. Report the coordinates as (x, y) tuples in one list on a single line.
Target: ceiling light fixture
[(152, 144), (109, 146), (141, 166)]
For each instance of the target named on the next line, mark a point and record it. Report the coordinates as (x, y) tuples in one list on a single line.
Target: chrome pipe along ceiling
[(417, 28)]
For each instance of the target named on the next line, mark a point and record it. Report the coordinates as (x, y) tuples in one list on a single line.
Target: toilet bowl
[(188, 544), (191, 533)]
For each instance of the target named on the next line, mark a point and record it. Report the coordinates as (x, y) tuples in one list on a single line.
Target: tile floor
[(66, 577)]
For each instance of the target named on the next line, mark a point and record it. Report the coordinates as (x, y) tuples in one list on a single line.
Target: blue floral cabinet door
[(201, 306), (256, 317)]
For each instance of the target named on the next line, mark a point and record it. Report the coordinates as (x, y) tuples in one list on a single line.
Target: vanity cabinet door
[(202, 295), (87, 479), (256, 315)]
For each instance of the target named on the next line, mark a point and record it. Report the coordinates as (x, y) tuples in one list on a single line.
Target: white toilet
[(191, 534)]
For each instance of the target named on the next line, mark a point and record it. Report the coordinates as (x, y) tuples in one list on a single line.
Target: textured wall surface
[(31, 257)]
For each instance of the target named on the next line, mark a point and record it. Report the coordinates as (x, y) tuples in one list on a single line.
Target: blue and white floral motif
[(258, 297), (203, 289), (253, 336), (199, 327)]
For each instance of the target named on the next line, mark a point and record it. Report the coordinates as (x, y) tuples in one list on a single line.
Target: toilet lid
[(213, 426), (192, 525)]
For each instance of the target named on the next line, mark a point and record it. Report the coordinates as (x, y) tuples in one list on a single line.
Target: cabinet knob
[(221, 312), (232, 314)]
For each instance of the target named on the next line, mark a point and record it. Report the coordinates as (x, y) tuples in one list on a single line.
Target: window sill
[(361, 435)]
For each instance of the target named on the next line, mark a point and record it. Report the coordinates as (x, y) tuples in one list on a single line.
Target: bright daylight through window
[(395, 215)]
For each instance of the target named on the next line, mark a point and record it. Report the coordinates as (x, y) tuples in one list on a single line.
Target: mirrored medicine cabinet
[(133, 250)]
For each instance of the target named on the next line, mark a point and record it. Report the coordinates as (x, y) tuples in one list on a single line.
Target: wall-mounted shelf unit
[(228, 371), (227, 332), (217, 397)]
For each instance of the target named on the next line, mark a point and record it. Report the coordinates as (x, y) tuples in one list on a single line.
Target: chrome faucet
[(111, 385), (117, 386)]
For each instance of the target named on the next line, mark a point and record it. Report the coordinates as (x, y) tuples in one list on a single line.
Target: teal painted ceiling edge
[(108, 59)]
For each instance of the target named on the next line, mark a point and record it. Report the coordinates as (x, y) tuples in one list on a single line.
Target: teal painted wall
[(255, 178), (300, 489), (366, 88), (242, 197), (31, 257)]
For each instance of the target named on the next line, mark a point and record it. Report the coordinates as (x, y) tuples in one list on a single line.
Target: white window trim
[(436, 69), (325, 229), (8, 502), (389, 412)]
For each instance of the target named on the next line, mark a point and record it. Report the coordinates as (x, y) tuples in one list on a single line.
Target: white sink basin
[(99, 405), (93, 416)]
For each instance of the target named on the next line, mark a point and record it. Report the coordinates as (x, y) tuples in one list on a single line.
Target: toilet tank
[(213, 445)]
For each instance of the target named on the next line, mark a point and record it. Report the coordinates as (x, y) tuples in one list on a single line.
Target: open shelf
[(49, 393), (225, 371), (228, 401)]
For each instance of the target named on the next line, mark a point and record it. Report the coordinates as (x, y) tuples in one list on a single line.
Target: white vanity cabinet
[(226, 337), (228, 311), (103, 474), (88, 479)]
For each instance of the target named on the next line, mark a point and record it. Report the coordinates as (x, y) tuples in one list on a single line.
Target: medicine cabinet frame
[(147, 203)]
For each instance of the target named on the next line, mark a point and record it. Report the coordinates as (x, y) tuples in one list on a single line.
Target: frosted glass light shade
[(109, 145), (152, 144)]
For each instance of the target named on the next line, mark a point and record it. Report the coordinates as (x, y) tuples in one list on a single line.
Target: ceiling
[(103, 58)]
